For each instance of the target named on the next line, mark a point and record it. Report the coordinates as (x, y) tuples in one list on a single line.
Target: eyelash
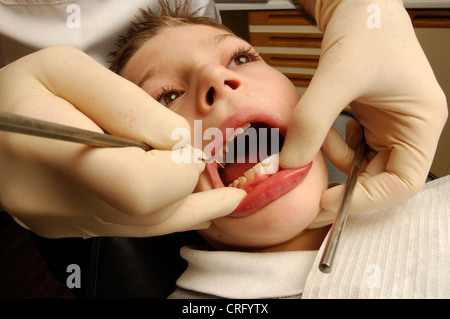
[(166, 89), (248, 51)]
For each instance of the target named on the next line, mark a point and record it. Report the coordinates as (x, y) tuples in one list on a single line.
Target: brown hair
[(149, 23)]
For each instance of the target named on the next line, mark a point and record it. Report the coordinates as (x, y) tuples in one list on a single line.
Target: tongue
[(240, 163), (234, 171)]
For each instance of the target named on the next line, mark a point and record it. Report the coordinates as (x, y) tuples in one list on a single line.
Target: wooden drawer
[(287, 41), (305, 40), (279, 17), (430, 18), (291, 60)]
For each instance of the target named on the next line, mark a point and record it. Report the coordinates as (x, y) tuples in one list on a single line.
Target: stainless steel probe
[(329, 252), (26, 125)]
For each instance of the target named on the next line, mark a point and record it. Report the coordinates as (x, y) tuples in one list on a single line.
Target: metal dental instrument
[(26, 125), (207, 160), (329, 252)]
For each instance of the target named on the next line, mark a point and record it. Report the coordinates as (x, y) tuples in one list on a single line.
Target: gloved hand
[(382, 72), (63, 189)]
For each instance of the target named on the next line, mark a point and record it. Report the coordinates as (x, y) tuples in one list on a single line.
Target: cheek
[(279, 87)]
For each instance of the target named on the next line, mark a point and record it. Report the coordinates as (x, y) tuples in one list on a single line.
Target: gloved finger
[(194, 212), (354, 133), (137, 182), (376, 166), (198, 209), (339, 152), (332, 88), (375, 188), (112, 102), (323, 219)]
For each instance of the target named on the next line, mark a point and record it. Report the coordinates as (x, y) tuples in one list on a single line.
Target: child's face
[(204, 73)]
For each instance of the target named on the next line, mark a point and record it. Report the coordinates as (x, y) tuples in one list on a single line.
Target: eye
[(240, 59), (243, 56), (168, 98), (168, 95)]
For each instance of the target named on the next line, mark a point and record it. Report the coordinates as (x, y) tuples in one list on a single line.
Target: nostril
[(232, 84), (210, 96)]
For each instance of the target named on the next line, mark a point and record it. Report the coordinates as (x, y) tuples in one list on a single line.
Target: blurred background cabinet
[(287, 41)]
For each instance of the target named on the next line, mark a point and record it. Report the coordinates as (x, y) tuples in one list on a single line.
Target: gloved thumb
[(332, 88)]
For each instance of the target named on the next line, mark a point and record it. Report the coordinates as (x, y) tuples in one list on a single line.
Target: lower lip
[(270, 190)]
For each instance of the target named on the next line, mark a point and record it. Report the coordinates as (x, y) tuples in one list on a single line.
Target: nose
[(216, 82)]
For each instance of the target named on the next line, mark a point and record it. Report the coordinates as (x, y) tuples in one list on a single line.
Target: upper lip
[(238, 119), (243, 117)]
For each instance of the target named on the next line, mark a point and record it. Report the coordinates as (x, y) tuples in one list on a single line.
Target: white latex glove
[(63, 189), (386, 78)]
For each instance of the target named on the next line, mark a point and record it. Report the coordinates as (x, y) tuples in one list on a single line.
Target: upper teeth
[(268, 166), (224, 149), (238, 131)]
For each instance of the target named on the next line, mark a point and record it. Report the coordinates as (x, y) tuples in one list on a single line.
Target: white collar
[(245, 275)]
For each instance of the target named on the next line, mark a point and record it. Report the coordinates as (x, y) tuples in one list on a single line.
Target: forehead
[(174, 43)]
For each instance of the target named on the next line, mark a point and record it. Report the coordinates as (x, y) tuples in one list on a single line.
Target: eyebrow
[(217, 39), (224, 36), (148, 74)]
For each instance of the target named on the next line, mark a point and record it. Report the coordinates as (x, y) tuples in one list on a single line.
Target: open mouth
[(250, 155), (249, 160)]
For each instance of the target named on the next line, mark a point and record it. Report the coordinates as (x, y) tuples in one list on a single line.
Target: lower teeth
[(269, 166)]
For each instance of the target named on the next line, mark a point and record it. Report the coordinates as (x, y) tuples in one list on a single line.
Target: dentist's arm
[(63, 189), (370, 59)]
